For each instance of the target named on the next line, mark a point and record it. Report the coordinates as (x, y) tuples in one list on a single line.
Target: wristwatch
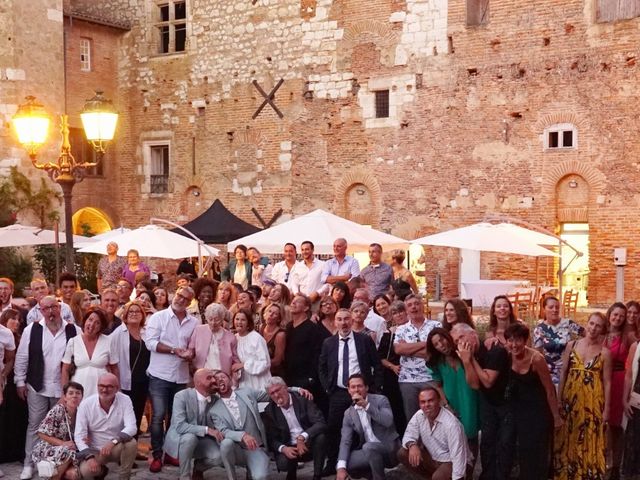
[(115, 441)]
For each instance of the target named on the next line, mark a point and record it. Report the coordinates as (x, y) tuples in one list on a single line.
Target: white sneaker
[(27, 472)]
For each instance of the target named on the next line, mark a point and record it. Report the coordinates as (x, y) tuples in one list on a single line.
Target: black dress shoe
[(328, 471)]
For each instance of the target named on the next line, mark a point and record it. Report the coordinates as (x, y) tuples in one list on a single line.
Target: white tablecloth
[(482, 292)]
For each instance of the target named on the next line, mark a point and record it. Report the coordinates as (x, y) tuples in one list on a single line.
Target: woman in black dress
[(326, 317), (128, 341), (534, 405), (391, 363)]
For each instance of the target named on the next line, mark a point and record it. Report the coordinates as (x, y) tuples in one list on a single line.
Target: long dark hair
[(493, 321), (434, 357), (462, 314), (346, 301)]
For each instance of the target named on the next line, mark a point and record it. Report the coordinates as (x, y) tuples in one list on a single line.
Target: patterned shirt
[(414, 369), (378, 278), (110, 272), (553, 339)]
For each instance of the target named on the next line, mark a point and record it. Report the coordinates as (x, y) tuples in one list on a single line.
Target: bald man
[(105, 427), (195, 445)]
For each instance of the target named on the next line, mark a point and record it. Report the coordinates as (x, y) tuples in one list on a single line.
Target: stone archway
[(572, 199), (95, 219), (595, 178), (358, 197)]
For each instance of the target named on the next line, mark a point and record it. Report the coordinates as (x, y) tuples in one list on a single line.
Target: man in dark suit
[(370, 422), (295, 429), (343, 355)]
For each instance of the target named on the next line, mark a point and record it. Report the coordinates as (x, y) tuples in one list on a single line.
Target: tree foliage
[(18, 196)]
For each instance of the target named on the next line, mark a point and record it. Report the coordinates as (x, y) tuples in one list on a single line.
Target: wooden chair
[(522, 302), (569, 304)]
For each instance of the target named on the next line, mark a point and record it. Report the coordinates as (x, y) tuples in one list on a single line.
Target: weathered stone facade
[(31, 60), (469, 108)]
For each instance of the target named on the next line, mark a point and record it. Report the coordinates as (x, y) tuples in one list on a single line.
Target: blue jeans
[(161, 393)]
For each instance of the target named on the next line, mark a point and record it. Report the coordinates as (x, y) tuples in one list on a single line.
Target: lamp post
[(31, 123)]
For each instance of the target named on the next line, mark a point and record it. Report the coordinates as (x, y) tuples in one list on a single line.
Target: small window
[(171, 26), (613, 10), (382, 104), (159, 173), (560, 136), (83, 152), (85, 54), (477, 12)]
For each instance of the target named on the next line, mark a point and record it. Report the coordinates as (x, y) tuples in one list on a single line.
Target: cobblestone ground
[(12, 471)]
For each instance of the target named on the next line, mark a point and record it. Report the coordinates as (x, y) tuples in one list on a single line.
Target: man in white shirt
[(105, 426), (167, 338), (434, 444), (308, 278), (37, 368), (6, 294), (287, 269), (342, 267), (370, 419), (39, 290), (189, 439), (295, 430)]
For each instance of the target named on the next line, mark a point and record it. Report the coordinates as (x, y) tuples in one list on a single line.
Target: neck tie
[(345, 362)]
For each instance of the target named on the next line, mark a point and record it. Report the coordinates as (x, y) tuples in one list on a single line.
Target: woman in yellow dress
[(584, 404)]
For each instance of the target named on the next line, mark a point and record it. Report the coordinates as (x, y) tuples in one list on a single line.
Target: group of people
[(306, 360)]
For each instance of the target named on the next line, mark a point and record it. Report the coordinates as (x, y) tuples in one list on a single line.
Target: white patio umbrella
[(103, 236), (322, 228), (17, 235), (487, 237), (152, 241)]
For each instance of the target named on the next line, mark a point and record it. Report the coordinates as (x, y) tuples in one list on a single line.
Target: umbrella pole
[(201, 273), (560, 276)]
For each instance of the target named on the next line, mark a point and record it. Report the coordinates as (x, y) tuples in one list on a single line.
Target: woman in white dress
[(255, 364), (90, 353)]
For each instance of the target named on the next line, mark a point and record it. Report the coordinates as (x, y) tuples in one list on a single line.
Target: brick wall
[(465, 141)]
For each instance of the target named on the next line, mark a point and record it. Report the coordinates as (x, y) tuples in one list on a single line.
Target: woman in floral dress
[(551, 336), (55, 435), (585, 383)]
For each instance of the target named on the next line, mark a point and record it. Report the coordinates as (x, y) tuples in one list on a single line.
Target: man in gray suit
[(235, 414), (189, 439), (370, 420)]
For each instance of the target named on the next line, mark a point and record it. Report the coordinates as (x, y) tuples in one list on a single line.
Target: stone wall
[(31, 63)]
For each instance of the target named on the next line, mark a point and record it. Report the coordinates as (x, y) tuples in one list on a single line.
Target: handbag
[(46, 469)]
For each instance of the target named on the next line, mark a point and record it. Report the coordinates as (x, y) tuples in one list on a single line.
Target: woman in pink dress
[(617, 341)]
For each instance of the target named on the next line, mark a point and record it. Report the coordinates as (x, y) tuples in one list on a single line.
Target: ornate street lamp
[(31, 123)]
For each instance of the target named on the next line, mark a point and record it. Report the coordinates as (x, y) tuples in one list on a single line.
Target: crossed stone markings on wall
[(268, 99)]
